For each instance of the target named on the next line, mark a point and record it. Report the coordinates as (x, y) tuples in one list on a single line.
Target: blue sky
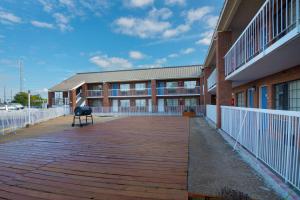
[(58, 38)]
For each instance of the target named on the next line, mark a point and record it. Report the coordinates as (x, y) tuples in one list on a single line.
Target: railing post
[(257, 134), (287, 169)]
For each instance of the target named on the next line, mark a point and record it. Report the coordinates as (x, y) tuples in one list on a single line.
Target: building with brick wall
[(153, 90), (253, 60), (251, 82)]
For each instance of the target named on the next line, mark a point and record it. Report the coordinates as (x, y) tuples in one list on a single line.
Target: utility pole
[(11, 95), (4, 94), (21, 74)]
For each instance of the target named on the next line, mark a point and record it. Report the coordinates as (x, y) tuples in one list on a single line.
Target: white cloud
[(198, 14), (205, 38), (176, 31), (211, 21), (47, 5), (163, 13), (175, 2), (136, 55), (9, 18), (111, 63), (42, 24), (68, 3), (143, 28), (173, 55), (62, 22), (187, 51), (138, 3)]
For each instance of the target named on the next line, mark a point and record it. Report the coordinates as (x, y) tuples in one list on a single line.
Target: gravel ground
[(213, 165)]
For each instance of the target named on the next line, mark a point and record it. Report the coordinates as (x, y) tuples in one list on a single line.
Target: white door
[(161, 105), (149, 105), (115, 105)]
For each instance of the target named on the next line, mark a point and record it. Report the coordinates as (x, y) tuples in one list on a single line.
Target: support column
[(106, 95), (84, 90), (50, 99), (72, 96), (224, 88), (207, 96), (153, 95)]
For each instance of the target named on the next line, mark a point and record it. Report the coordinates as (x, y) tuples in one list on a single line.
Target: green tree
[(22, 98)]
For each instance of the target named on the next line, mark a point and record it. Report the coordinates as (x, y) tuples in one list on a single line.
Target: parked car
[(11, 106)]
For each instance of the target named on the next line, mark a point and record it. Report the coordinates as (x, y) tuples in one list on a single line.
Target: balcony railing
[(272, 136), (178, 91), (148, 110), (211, 112), (275, 19), (60, 101), (94, 93), (212, 79), (130, 92)]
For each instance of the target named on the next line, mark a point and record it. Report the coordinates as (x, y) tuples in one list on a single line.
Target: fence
[(13, 120), (148, 110), (273, 136), (274, 20), (211, 113)]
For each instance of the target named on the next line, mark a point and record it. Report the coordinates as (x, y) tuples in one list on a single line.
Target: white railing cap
[(267, 111)]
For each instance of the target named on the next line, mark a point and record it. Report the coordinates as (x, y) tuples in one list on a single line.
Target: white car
[(12, 106)]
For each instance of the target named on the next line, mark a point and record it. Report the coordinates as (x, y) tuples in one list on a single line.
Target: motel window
[(190, 84), (172, 102), (140, 86), (190, 102), (125, 103), (124, 87), (172, 84), (140, 102), (240, 99), (58, 95), (287, 96)]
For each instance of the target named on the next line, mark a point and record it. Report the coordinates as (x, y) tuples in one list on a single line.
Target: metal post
[(298, 14), (29, 118)]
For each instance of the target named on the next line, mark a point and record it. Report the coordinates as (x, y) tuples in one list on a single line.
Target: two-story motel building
[(254, 57), (252, 81), (153, 89)]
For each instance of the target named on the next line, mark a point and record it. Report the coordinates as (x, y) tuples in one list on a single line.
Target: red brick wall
[(50, 98), (224, 88), (106, 87), (207, 96), (269, 81), (72, 96)]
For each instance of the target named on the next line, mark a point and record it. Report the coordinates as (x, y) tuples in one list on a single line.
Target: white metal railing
[(94, 93), (212, 79), (177, 91), (211, 112), (148, 110), (130, 92), (13, 120), (275, 19), (272, 136)]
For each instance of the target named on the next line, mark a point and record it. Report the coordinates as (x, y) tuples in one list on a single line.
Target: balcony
[(130, 93), (94, 93), (269, 44), (178, 91), (211, 82)]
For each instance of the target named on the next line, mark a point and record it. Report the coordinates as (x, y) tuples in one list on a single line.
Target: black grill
[(82, 111)]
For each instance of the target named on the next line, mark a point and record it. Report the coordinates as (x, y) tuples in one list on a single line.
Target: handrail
[(272, 21)]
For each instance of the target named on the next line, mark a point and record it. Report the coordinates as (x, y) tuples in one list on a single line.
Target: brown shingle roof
[(163, 73)]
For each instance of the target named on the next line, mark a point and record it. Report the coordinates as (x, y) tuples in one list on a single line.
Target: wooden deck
[(129, 158)]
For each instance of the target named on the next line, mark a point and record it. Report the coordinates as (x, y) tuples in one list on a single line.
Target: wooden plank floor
[(128, 158)]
